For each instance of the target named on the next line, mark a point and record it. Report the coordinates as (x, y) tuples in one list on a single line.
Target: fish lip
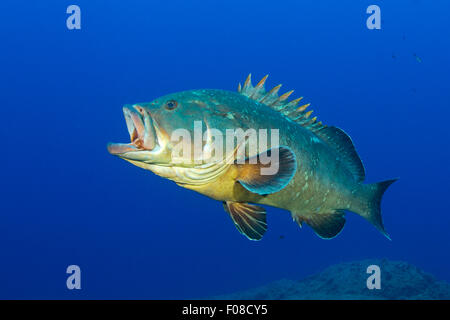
[(119, 149), (141, 130)]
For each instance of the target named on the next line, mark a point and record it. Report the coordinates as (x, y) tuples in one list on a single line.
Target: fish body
[(319, 174)]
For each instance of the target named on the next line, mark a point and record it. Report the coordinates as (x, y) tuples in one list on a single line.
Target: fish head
[(157, 127), (185, 137)]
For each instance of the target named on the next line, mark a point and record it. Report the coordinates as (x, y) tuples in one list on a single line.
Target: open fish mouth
[(141, 130)]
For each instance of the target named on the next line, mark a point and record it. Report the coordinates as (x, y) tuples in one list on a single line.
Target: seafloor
[(345, 281)]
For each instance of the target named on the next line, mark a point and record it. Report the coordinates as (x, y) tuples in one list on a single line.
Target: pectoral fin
[(272, 177), (249, 219)]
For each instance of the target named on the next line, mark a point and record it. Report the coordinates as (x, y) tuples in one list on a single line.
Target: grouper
[(318, 174)]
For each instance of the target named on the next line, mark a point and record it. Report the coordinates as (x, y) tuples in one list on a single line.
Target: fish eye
[(171, 104)]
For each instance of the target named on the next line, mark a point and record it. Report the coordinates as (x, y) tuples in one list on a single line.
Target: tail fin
[(372, 209)]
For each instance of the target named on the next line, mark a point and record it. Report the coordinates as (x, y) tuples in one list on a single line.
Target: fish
[(418, 59), (305, 167)]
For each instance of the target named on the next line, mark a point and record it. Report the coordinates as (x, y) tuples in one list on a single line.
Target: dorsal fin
[(290, 109), (334, 137), (343, 144)]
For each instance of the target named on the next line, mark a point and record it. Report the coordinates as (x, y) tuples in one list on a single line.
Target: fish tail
[(370, 207)]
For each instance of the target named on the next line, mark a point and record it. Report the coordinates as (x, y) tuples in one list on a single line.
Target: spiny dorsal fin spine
[(274, 91), (318, 125), (261, 83), (295, 102), (278, 103), (258, 90), (248, 81), (311, 122), (247, 89), (303, 107), (284, 96), (291, 109), (271, 96), (304, 116)]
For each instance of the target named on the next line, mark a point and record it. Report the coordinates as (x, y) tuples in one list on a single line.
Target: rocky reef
[(347, 281)]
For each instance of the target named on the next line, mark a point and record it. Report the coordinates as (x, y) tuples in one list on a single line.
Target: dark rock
[(399, 280)]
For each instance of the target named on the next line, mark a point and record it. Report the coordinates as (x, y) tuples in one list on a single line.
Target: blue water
[(65, 200)]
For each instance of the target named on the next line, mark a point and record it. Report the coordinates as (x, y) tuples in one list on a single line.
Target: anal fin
[(325, 225), (249, 219)]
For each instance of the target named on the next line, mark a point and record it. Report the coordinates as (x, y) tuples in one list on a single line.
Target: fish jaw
[(145, 143)]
